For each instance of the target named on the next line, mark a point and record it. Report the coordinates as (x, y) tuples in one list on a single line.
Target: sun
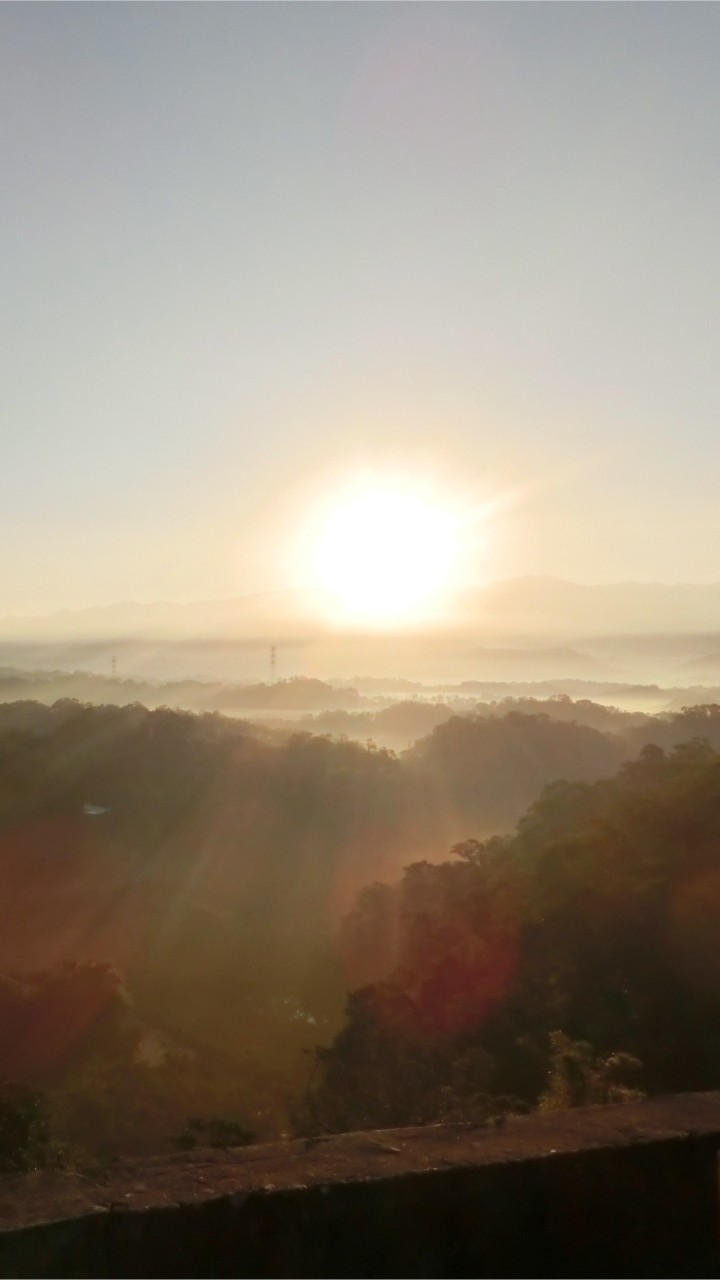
[(385, 555)]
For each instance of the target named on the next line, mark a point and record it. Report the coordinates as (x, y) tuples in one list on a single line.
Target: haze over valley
[(360, 597), (528, 629)]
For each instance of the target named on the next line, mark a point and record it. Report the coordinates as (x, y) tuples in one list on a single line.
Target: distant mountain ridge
[(530, 662), (532, 607), (557, 607), (169, 618)]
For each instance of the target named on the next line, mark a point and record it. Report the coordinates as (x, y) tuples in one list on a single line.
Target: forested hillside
[(188, 900), (577, 960)]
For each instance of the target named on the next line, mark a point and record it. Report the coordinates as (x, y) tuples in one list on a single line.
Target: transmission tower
[(113, 667), (273, 663)]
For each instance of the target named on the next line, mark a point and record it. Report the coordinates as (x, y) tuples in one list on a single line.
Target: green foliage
[(213, 1132), (110, 1107), (580, 956), (53, 1018), (215, 871), (380, 1074), (491, 768), (579, 1077), (25, 1138)]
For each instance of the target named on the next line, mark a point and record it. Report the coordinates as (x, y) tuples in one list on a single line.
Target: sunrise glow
[(384, 555)]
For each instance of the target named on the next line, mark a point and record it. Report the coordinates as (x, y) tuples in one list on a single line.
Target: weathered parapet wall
[(616, 1191)]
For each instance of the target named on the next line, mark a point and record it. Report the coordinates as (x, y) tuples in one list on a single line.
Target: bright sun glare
[(383, 555)]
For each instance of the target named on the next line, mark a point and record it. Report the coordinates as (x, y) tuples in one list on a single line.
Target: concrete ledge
[(614, 1191)]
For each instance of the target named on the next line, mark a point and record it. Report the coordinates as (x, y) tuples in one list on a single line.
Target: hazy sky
[(248, 248)]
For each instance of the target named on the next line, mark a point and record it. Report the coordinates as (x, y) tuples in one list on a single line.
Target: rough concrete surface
[(623, 1190)]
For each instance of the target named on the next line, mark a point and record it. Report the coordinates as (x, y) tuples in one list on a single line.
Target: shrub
[(25, 1138)]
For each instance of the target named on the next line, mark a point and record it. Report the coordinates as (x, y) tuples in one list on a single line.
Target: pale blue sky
[(246, 246)]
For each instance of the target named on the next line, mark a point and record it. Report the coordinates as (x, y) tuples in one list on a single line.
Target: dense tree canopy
[(172, 888), (589, 937)]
